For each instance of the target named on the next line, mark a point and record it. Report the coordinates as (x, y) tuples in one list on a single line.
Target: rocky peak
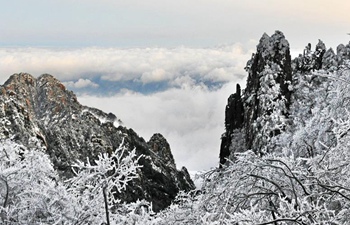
[(45, 98), (234, 119), (42, 113), (269, 81), (234, 110), (19, 85), (343, 53), (54, 100), (21, 78), (320, 50), (274, 47), (329, 60), (310, 60), (160, 146), (261, 112)]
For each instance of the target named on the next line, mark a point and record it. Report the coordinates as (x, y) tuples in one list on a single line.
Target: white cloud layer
[(188, 114), (146, 65), (81, 83), (190, 118)]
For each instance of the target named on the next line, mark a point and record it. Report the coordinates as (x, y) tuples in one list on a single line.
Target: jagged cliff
[(42, 113), (234, 118), (262, 111), (275, 82), (285, 152)]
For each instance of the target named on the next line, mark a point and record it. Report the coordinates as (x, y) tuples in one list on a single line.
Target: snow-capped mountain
[(40, 113)]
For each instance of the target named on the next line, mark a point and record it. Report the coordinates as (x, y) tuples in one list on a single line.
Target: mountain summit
[(42, 113), (261, 112)]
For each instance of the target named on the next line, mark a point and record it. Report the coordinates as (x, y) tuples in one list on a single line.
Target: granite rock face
[(234, 120), (268, 86), (274, 91), (161, 148), (42, 113), (261, 111)]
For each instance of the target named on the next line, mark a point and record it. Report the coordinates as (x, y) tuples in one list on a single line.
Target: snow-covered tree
[(95, 185), (30, 191)]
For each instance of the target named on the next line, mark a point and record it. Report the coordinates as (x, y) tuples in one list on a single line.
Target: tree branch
[(7, 192)]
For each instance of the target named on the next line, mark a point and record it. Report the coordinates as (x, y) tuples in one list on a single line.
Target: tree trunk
[(106, 204)]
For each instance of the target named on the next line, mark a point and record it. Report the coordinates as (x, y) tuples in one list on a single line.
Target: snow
[(303, 175), (197, 178), (156, 168)]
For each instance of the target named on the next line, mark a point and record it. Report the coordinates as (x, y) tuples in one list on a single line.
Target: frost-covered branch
[(95, 185)]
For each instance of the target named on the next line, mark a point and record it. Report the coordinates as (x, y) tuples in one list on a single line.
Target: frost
[(302, 177), (156, 168)]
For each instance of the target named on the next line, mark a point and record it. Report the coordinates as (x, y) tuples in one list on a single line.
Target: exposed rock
[(310, 60), (343, 53), (234, 119), (269, 80), (262, 111), (234, 111), (43, 113), (160, 147), (320, 50), (329, 60)]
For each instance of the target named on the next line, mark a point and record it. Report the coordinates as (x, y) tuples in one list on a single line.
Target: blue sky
[(178, 60)]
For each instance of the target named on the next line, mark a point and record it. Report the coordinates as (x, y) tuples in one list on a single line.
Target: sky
[(160, 66)]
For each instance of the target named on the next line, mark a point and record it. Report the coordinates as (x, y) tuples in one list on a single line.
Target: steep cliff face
[(234, 120), (278, 91), (161, 148), (268, 92), (262, 110), (42, 113)]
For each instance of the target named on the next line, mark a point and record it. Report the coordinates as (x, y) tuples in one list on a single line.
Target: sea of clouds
[(188, 110)]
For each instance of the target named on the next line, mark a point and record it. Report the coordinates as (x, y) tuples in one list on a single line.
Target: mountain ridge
[(42, 113)]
